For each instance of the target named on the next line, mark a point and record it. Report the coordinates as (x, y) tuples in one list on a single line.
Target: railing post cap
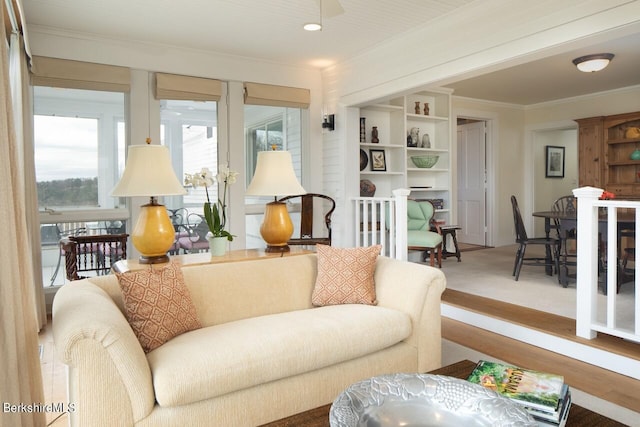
[(588, 192)]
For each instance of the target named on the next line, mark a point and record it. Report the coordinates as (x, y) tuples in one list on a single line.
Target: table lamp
[(148, 172), (275, 177)]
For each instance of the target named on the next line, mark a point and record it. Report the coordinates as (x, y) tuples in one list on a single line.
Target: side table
[(446, 231)]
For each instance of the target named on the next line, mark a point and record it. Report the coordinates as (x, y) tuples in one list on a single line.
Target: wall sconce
[(329, 122), (593, 63)]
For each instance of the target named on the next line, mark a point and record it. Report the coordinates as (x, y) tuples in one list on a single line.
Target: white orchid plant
[(215, 214)]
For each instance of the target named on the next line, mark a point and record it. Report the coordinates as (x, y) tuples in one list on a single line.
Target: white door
[(472, 183)]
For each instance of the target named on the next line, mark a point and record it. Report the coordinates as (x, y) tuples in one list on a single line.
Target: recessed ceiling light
[(312, 26), (593, 63)]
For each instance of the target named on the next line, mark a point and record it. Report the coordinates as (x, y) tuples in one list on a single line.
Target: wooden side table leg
[(455, 244)]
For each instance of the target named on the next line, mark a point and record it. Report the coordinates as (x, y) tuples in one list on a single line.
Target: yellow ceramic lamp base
[(277, 228), (153, 234)]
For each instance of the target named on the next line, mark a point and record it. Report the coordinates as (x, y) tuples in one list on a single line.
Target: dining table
[(568, 221)]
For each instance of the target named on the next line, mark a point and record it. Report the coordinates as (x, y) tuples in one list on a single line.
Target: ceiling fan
[(328, 9)]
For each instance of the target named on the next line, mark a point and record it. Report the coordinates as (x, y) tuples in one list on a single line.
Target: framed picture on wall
[(554, 162), (378, 161)]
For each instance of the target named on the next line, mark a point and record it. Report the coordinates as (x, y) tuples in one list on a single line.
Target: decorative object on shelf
[(215, 214), (367, 188), (364, 159), (148, 173), (632, 133), (274, 176), (427, 161), (426, 108), (378, 161), (426, 141), (554, 162), (409, 141), (635, 155), (363, 134), (417, 108), (437, 203), (374, 135), (414, 133)]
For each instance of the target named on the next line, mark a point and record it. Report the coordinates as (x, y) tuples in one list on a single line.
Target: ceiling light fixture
[(593, 63), (312, 26)]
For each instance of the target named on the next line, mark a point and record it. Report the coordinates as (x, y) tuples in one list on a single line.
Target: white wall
[(547, 190)]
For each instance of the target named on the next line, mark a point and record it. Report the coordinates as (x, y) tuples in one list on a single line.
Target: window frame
[(108, 161)]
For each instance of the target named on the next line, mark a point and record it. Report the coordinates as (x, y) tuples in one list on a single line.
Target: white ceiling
[(271, 30)]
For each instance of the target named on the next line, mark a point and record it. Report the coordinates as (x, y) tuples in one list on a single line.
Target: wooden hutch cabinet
[(605, 148), (590, 152)]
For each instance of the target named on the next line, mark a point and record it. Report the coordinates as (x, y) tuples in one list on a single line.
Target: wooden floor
[(53, 377), (615, 388)]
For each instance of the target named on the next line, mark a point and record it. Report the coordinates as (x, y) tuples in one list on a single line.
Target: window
[(266, 126), (190, 130), (79, 141), (79, 147)]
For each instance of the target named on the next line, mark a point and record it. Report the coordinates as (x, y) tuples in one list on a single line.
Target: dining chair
[(566, 233), (551, 244), (310, 204)]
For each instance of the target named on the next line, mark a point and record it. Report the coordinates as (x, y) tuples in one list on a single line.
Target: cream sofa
[(263, 352)]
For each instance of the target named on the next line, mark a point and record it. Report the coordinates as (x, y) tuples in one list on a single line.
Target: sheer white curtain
[(22, 378)]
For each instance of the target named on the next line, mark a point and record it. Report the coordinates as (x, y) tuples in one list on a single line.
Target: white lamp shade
[(274, 176), (149, 173)]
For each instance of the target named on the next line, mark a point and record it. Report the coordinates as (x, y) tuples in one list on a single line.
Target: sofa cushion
[(345, 275), (157, 304), (220, 359)]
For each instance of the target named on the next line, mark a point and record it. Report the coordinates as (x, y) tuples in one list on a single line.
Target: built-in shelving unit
[(622, 169), (395, 122)]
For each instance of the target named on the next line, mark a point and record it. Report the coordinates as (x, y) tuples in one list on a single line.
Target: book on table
[(557, 419), (545, 396)]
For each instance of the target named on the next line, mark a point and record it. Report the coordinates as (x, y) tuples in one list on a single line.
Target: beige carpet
[(487, 273)]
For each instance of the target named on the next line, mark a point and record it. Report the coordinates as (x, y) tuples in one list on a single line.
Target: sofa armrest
[(416, 290), (109, 377)]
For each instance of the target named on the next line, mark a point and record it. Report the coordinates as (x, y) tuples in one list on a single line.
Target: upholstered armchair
[(420, 236)]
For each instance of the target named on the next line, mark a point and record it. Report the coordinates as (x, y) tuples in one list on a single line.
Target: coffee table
[(319, 417)]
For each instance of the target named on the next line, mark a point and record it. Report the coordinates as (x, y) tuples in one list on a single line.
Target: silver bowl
[(420, 400)]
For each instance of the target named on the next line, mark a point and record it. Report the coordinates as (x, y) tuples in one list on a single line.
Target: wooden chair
[(420, 237), (92, 253), (566, 233), (552, 245), (310, 204)]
